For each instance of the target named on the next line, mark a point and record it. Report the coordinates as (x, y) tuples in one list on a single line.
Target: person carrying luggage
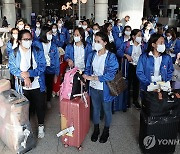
[(154, 65), (101, 67), (28, 64)]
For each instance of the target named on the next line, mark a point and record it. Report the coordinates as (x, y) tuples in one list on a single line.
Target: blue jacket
[(69, 52), (175, 47), (110, 68), (15, 59), (35, 38), (65, 35), (126, 48), (116, 31), (90, 39), (151, 31), (9, 47), (58, 40), (119, 41), (145, 69), (54, 60)]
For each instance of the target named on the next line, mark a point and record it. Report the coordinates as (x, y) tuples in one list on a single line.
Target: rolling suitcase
[(75, 120), (15, 128), (4, 85), (158, 135)]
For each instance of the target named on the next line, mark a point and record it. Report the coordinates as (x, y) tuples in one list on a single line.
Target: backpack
[(71, 84)]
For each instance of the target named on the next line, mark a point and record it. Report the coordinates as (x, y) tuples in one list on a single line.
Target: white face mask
[(84, 27), (21, 27), (119, 24), (60, 25), (54, 30), (138, 39), (49, 37), (79, 25), (128, 33), (15, 36), (98, 46), (37, 25), (161, 48), (169, 38), (148, 28), (77, 39), (26, 44), (28, 29), (95, 31)]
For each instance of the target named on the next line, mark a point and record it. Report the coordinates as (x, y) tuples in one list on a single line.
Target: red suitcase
[(75, 120)]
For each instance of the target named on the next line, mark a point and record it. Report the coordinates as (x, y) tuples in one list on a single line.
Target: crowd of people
[(146, 55)]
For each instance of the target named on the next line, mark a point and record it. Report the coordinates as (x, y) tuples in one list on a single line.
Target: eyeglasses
[(27, 39)]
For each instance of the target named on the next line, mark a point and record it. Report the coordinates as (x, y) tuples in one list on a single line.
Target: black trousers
[(49, 85), (133, 82), (37, 102)]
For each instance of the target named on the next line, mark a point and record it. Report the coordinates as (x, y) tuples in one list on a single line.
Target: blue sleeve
[(61, 41), (140, 72), (114, 33), (87, 70), (170, 69), (121, 50), (14, 70), (41, 63), (110, 69), (67, 36), (68, 51), (88, 51), (177, 47), (57, 62)]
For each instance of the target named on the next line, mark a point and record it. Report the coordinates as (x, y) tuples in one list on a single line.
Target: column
[(101, 11), (9, 11), (89, 9), (36, 6), (83, 10), (27, 10), (133, 8)]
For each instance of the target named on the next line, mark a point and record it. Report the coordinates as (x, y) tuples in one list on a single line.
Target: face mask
[(161, 48), (54, 30), (77, 39), (49, 23), (148, 28), (49, 37), (95, 31), (79, 25), (98, 46), (15, 36), (38, 25), (26, 44), (21, 27), (169, 38), (138, 39), (84, 27), (28, 29), (128, 33), (59, 25), (119, 24)]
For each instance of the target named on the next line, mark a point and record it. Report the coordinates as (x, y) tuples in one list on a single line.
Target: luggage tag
[(68, 131)]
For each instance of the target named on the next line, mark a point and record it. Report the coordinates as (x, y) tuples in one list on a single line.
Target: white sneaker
[(41, 132), (49, 105)]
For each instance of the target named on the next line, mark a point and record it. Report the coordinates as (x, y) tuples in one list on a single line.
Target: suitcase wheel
[(65, 145), (80, 148)]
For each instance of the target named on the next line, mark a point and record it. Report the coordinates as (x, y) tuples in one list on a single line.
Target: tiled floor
[(123, 136)]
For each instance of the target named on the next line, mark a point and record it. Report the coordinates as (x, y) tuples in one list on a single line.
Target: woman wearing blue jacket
[(101, 67), (130, 52), (36, 31), (57, 37), (172, 44), (52, 60), (76, 53), (117, 29), (154, 65), (28, 64)]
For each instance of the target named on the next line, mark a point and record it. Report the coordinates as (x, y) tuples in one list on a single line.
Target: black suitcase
[(158, 135)]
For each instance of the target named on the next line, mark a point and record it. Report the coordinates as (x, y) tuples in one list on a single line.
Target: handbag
[(117, 85)]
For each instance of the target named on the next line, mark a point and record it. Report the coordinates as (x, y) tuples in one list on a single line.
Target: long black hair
[(105, 38), (153, 39), (105, 27), (42, 36), (82, 33), (12, 39)]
